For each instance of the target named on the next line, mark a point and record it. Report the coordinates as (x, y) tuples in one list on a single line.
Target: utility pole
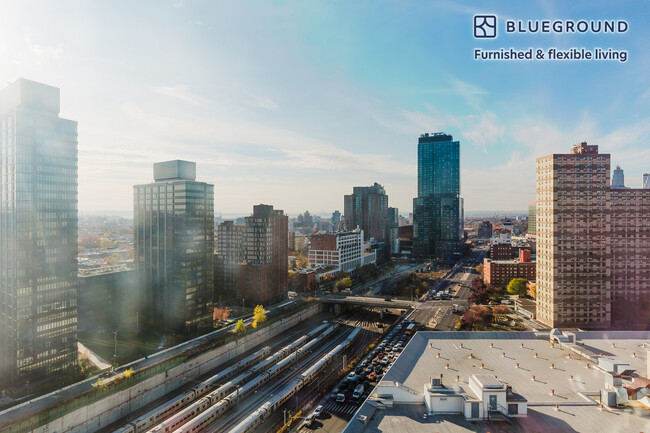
[(115, 351)]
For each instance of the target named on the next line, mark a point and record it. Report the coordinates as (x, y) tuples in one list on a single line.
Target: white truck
[(358, 392)]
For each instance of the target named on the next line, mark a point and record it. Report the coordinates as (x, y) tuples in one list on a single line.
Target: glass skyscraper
[(38, 234), (438, 208), (174, 243)]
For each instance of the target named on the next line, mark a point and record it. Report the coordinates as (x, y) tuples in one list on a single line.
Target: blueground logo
[(485, 26)]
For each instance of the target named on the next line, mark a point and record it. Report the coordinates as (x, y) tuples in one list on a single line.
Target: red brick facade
[(499, 273)]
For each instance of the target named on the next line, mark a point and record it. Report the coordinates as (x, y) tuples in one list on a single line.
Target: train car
[(168, 409), (129, 428), (159, 413), (256, 418)]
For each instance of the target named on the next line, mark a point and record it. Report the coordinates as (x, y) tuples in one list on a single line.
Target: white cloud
[(484, 132), (263, 102), (43, 52), (181, 92)]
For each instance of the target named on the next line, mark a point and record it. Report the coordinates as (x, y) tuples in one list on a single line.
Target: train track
[(255, 401)]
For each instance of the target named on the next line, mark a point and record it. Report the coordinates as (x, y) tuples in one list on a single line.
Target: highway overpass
[(366, 301)]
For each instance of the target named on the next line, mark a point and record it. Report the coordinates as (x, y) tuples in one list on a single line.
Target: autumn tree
[(259, 315), (220, 314), (240, 327), (532, 290), (476, 317), (518, 286), (501, 309), (344, 283), (479, 269)]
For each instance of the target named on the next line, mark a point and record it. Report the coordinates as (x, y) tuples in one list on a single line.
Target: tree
[(501, 309), (479, 269), (220, 314), (344, 283), (476, 316), (532, 290), (259, 315), (128, 373), (239, 327), (518, 286)]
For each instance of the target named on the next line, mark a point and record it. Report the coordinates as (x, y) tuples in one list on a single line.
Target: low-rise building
[(500, 272), (110, 298), (512, 381), (342, 250)]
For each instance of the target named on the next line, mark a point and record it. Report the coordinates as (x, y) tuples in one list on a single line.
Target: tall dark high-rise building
[(231, 251), (174, 243), (367, 208), (438, 208), (392, 223), (336, 220), (38, 234), (264, 277)]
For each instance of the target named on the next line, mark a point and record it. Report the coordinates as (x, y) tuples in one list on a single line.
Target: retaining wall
[(120, 404)]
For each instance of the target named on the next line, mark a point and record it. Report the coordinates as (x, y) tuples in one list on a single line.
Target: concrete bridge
[(340, 302)]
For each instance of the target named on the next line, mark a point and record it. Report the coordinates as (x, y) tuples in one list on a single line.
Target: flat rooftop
[(542, 419), (459, 355)]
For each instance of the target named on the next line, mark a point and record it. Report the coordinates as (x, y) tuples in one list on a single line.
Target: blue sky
[(293, 103)]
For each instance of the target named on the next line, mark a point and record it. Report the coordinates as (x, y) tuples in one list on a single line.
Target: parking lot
[(336, 409)]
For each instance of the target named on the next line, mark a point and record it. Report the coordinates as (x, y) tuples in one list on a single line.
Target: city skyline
[(347, 111)]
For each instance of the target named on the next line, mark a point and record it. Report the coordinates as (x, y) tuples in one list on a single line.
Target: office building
[(485, 230), (438, 208), (38, 234), (646, 181), (263, 278), (336, 220), (343, 251), (392, 216), (230, 251), (618, 178), (593, 241), (174, 246), (532, 219), (367, 208)]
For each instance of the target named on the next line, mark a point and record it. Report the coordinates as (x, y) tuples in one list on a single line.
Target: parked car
[(318, 410), (334, 393)]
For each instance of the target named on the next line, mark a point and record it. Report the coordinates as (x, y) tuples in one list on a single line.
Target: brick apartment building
[(593, 243), (264, 276), (499, 273)]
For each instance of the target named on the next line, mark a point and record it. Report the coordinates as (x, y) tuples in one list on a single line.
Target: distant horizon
[(323, 214)]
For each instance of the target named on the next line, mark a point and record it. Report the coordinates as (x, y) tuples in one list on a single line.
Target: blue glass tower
[(438, 209)]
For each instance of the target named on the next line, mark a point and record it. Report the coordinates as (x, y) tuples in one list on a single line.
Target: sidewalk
[(92, 356)]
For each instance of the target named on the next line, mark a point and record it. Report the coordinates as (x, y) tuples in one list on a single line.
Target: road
[(367, 288), (438, 314)]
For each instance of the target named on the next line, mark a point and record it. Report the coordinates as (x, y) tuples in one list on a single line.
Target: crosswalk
[(341, 408)]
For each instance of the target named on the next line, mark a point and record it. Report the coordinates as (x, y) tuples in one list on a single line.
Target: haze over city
[(293, 104)]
